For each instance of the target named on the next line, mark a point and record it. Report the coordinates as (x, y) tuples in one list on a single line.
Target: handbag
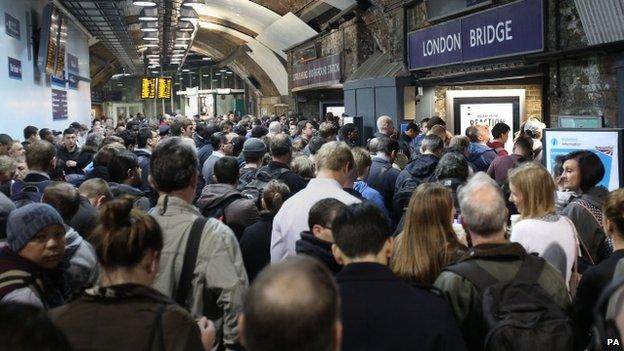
[(575, 277)]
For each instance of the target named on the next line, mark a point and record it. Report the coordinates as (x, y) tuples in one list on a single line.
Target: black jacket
[(405, 145), (592, 283), (255, 245), (292, 179), (144, 164), (63, 156), (319, 249), (421, 167), (85, 220), (381, 312), (382, 177), (140, 200)]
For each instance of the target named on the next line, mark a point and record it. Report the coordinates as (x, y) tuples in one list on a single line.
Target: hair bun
[(116, 213)]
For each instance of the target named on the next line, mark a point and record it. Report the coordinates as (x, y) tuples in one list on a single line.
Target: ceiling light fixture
[(180, 45), (150, 38), (151, 45), (144, 3), (206, 58), (190, 3), (187, 14), (186, 70), (152, 56)]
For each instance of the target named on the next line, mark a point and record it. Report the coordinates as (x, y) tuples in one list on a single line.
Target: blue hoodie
[(481, 156)]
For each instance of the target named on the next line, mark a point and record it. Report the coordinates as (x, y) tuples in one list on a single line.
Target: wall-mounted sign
[(72, 63), (148, 88), (164, 88), (59, 104), (72, 81), (316, 73), (507, 30), (12, 26), (15, 68), (58, 80)]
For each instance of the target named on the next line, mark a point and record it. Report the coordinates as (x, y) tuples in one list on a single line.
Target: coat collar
[(499, 251), (129, 290)]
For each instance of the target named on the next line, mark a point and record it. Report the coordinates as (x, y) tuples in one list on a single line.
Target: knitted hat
[(534, 126), (27, 221), (254, 147)]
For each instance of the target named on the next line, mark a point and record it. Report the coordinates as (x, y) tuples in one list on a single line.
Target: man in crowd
[(124, 174), (334, 163), (385, 127), (383, 176), (479, 154), (6, 142), (147, 140), (253, 152), (222, 200), (349, 134), (422, 167), (183, 127), (533, 128), (362, 168), (222, 280), (31, 133), (41, 161), (484, 217), (374, 299), (317, 242), (69, 153), (281, 155), (292, 305), (307, 129), (406, 139), (222, 146), (500, 133)]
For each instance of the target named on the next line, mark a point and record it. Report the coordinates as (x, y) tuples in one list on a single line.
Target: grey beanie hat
[(254, 147), (27, 221)]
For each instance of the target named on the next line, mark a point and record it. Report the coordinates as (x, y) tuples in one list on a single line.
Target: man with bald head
[(292, 305), (484, 217), (385, 127)]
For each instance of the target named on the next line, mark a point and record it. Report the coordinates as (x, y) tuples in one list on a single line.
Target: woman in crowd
[(540, 229), (596, 278), (582, 171), (255, 243), (522, 151), (125, 313), (427, 242)]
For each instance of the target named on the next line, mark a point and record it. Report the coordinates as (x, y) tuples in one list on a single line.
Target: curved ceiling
[(265, 32)]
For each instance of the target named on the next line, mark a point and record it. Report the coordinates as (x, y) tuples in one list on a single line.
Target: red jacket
[(498, 146)]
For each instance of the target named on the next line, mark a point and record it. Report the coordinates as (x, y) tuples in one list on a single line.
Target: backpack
[(609, 314), (254, 189), (404, 192), (218, 211), (517, 314), (24, 193)]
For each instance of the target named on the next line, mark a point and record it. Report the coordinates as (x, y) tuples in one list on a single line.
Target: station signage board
[(316, 73), (513, 29), (148, 88), (164, 88)]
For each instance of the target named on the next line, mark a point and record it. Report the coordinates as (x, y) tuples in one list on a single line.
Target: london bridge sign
[(508, 30)]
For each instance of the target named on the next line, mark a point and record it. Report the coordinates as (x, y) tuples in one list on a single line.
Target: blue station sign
[(507, 30)]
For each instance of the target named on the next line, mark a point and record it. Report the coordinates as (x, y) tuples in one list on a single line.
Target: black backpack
[(404, 192), (517, 314), (24, 193), (254, 189), (606, 332)]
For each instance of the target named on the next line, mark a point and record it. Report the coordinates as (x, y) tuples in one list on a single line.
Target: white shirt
[(552, 240), (292, 218)]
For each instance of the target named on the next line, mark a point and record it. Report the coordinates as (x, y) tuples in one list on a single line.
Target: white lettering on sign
[(441, 45), (489, 34)]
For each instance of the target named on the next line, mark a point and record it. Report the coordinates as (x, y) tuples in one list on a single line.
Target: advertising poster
[(604, 143), (488, 114), (59, 104)]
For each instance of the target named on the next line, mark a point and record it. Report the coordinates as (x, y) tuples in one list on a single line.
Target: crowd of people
[(284, 233)]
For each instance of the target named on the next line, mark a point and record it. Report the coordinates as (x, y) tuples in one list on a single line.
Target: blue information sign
[(508, 30), (15, 68)]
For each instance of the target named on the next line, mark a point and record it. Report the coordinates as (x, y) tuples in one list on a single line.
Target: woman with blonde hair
[(540, 229), (427, 243)]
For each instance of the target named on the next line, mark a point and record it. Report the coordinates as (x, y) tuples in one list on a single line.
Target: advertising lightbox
[(606, 143)]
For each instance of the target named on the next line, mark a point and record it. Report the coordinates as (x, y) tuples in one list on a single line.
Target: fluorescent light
[(206, 58), (206, 75), (144, 3), (177, 55), (183, 39), (223, 70), (180, 45), (186, 70), (152, 56), (150, 38), (217, 74), (149, 29), (151, 45), (229, 72), (148, 18)]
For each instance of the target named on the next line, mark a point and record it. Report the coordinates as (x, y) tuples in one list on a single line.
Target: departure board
[(148, 88), (164, 88)]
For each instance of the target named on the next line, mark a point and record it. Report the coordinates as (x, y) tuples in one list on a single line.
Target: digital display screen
[(164, 88), (148, 88)]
